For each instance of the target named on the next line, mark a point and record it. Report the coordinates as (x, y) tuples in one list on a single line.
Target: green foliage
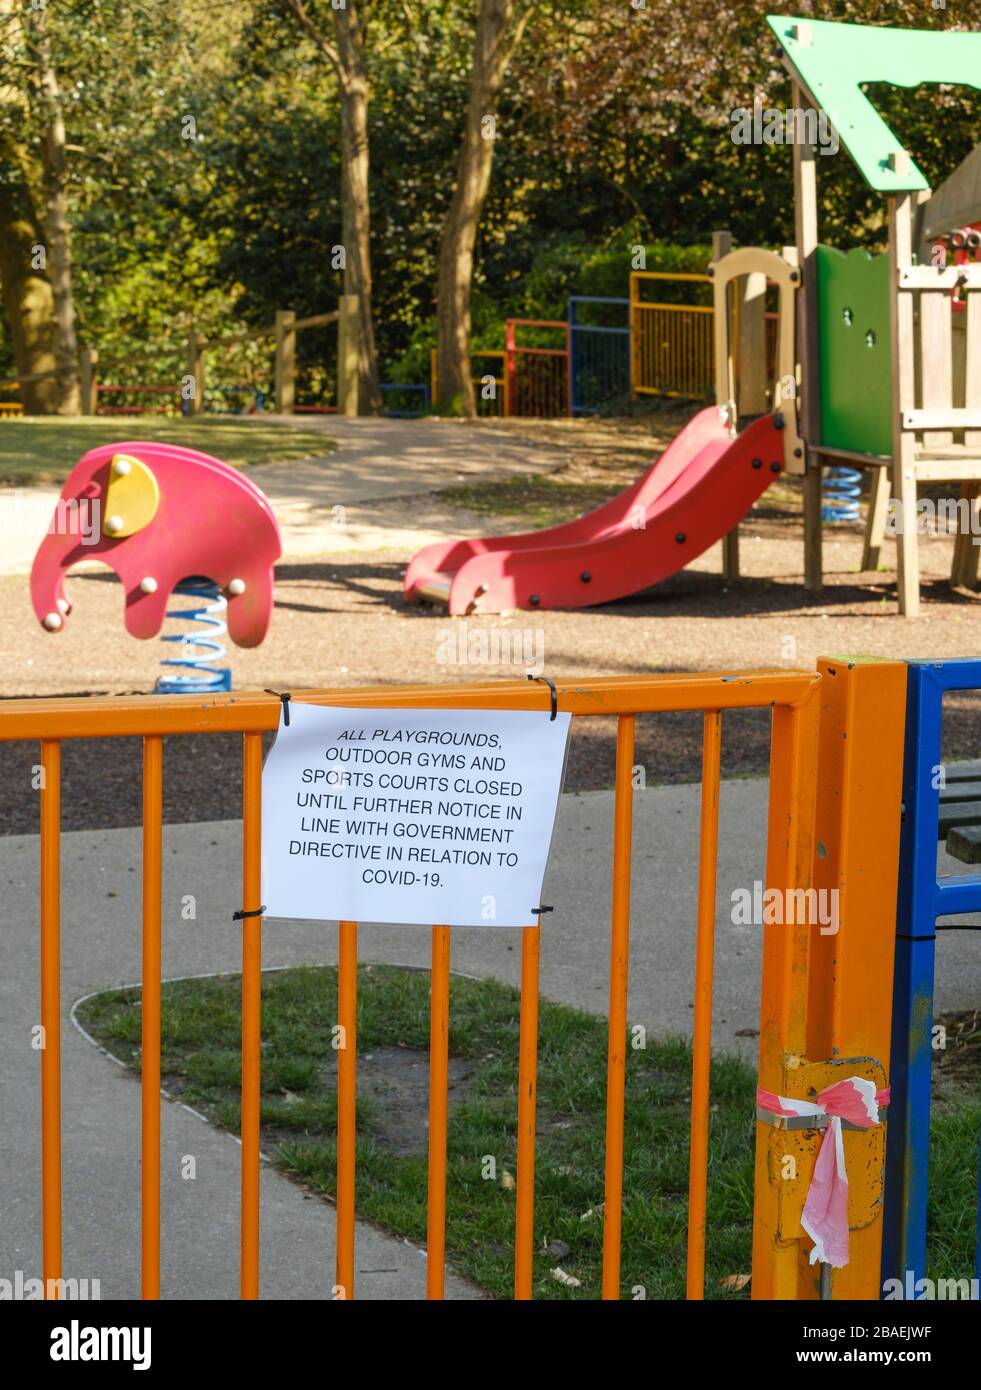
[(205, 175)]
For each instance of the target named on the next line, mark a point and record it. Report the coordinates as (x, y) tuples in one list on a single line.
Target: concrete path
[(350, 499), (377, 459), (101, 887)]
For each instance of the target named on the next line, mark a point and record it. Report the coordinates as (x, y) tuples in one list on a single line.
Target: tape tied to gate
[(825, 1214)]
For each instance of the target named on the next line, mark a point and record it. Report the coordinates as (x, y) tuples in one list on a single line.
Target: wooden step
[(960, 791), (963, 772), (964, 843), (957, 813)]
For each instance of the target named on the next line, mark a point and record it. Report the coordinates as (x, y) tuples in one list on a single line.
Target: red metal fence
[(537, 377)]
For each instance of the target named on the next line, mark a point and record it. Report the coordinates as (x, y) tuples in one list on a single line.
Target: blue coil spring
[(842, 494), (198, 675)]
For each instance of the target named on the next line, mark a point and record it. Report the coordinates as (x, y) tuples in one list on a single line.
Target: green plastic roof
[(839, 57)]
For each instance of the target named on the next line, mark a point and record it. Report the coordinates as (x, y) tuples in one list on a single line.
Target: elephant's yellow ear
[(132, 497)]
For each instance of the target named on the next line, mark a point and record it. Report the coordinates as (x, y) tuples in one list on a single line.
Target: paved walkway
[(351, 499), (101, 886)]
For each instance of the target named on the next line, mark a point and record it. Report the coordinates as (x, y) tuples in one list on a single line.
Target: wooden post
[(285, 361), (903, 469), (751, 380), (88, 374), (196, 344), (875, 522), (725, 392), (348, 330), (965, 566), (809, 415)]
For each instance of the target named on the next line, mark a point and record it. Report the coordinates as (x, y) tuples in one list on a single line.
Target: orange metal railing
[(793, 779), (538, 378)]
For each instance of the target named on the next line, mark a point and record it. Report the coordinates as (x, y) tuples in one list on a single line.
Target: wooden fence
[(284, 331)]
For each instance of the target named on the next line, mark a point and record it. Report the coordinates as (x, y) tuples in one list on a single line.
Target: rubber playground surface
[(340, 619)]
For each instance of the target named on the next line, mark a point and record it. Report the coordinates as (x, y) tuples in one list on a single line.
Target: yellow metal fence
[(670, 344)]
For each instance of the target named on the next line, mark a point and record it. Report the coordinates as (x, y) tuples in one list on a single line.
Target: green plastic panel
[(854, 350), (839, 57)]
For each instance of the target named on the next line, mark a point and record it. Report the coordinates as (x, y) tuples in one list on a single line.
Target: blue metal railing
[(599, 358), (923, 898), (397, 412)]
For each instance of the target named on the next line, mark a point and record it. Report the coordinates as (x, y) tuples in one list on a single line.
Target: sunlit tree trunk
[(496, 38), (28, 300), (346, 55), (46, 98)]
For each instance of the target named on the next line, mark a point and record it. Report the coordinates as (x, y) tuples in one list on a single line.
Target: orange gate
[(835, 753), (537, 377)]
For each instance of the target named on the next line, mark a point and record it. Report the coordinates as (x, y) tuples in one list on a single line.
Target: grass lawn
[(539, 501), (45, 450), (201, 1064)]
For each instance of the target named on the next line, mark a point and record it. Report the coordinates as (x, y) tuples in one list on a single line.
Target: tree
[(346, 54), (495, 40), (45, 97), (28, 300), (29, 297)]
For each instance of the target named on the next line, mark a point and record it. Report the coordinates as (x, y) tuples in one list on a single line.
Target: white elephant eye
[(121, 467), (114, 523), (149, 584), (237, 586), (52, 622)]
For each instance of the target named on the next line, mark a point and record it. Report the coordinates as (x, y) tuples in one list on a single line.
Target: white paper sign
[(442, 817)]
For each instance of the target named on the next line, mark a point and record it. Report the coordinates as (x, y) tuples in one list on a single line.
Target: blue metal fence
[(599, 357), (923, 898), (400, 394)]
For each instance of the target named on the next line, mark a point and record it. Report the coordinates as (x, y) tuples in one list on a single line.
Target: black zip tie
[(245, 912), (542, 909), (285, 698), (555, 694)]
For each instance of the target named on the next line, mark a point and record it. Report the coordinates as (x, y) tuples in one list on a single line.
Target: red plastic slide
[(700, 488)]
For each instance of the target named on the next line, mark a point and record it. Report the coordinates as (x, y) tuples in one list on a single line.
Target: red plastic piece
[(211, 521), (700, 488)]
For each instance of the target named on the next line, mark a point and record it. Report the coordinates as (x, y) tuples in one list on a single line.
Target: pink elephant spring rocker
[(167, 520)]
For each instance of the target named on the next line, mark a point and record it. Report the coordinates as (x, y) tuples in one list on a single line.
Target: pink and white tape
[(825, 1215)]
